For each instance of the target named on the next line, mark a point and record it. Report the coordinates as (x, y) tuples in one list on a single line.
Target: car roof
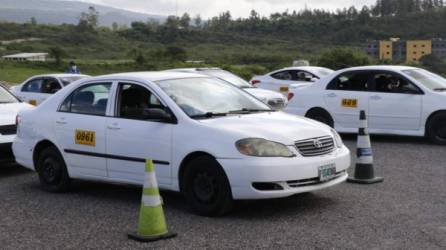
[(152, 76), (305, 68), (59, 75), (379, 67), (192, 69)]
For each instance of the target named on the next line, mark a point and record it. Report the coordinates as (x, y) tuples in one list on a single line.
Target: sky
[(238, 8)]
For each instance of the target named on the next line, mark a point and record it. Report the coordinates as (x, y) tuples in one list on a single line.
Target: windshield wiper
[(440, 89), (208, 115), (249, 111)]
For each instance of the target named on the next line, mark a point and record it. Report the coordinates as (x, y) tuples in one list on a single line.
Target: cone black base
[(365, 181), (135, 236)]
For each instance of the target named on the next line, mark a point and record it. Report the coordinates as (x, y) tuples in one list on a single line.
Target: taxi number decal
[(33, 102), (284, 89), (84, 137), (350, 103)]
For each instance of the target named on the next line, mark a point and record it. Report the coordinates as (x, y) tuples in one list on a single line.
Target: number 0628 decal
[(84, 137)]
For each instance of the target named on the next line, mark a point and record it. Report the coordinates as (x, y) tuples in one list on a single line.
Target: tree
[(115, 26), (58, 54), (342, 58), (198, 21), (185, 21), (89, 21), (33, 21), (175, 53)]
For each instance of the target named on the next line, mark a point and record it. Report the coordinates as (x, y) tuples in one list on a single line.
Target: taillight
[(254, 82), (290, 96)]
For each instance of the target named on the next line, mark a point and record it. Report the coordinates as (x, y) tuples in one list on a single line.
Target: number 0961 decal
[(84, 137)]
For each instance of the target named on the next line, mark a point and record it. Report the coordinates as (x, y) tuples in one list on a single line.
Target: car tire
[(206, 187), (436, 129), (320, 116), (53, 174)]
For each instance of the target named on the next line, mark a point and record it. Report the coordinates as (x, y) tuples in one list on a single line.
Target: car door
[(346, 95), (395, 103), (31, 91), (80, 129), (135, 133)]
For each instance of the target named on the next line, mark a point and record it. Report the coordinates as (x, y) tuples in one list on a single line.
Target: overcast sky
[(238, 8)]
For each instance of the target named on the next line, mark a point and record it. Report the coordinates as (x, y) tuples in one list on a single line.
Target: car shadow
[(12, 169), (391, 139)]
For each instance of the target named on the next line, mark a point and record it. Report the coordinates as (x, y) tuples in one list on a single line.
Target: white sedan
[(399, 100), (9, 107), (38, 88), (283, 79), (208, 139), (272, 98)]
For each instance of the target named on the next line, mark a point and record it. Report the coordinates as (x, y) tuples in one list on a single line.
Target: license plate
[(349, 103), (327, 172), (84, 137)]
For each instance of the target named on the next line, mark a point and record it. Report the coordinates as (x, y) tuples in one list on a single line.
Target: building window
[(388, 53), (414, 45)]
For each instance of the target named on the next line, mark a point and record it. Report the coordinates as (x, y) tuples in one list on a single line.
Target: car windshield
[(229, 77), (210, 97), (67, 80), (428, 79), (6, 97)]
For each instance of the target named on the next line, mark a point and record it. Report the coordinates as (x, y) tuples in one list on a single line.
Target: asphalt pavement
[(406, 211)]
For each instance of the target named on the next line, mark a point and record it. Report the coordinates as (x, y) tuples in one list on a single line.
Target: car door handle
[(331, 95), (114, 126), (376, 97), (61, 121)]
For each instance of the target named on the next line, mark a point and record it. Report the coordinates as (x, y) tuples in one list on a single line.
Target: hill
[(60, 11)]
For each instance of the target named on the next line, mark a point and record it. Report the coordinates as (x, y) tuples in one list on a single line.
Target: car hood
[(8, 112), (274, 126), (264, 94)]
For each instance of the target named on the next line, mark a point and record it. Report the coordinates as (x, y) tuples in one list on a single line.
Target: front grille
[(277, 103), (8, 130), (315, 146), (311, 181)]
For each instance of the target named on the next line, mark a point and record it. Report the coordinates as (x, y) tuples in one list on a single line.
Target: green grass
[(15, 73)]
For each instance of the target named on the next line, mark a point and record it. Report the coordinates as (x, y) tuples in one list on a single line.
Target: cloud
[(238, 8)]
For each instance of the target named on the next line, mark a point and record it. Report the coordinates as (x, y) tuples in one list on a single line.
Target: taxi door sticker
[(350, 103), (284, 89), (33, 102), (83, 137)]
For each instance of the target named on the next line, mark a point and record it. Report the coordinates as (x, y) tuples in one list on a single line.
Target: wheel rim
[(205, 187), (50, 171)]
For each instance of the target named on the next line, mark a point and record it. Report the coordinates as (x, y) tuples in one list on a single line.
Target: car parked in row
[(272, 98), (208, 139), (9, 107), (281, 80), (399, 100), (38, 88)]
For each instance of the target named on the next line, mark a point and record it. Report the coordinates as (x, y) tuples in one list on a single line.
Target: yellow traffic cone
[(152, 224)]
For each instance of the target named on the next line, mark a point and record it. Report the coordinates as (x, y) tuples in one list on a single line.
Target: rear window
[(6, 97)]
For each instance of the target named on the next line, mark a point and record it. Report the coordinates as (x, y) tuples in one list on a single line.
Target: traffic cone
[(152, 224), (364, 172)]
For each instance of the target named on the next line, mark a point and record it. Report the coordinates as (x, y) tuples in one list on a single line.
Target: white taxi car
[(9, 107), (398, 100), (274, 99), (207, 138), (281, 80), (38, 88)]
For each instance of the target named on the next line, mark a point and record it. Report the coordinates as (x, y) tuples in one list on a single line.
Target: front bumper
[(289, 175)]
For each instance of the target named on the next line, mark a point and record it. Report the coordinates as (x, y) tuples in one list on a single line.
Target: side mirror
[(158, 114)]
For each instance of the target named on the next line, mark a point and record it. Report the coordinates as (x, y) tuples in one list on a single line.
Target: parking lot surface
[(406, 211)]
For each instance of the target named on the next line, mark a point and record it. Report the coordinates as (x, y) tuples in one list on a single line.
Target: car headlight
[(337, 138), (263, 148)]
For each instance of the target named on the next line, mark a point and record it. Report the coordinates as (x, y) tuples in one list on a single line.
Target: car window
[(50, 86), (283, 75), (136, 102), (303, 76), (428, 79), (388, 82), (34, 86), (91, 99), (350, 81), (6, 97)]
